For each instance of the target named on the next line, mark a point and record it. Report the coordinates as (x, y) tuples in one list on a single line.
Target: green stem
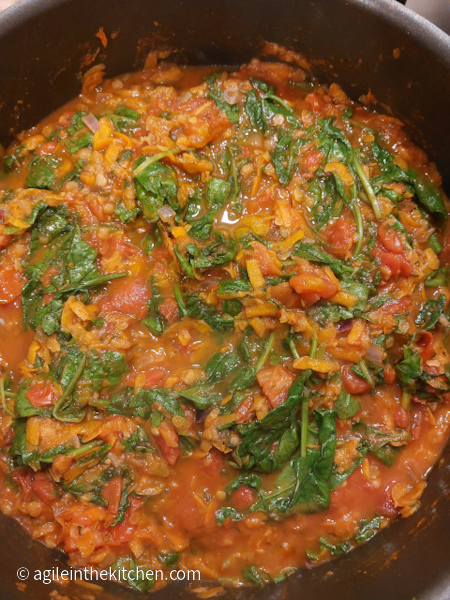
[(180, 301), (359, 226), (406, 400), (151, 159), (313, 349), (7, 410), (265, 354), (69, 390), (293, 349), (305, 405), (304, 427), (366, 373), (366, 184)]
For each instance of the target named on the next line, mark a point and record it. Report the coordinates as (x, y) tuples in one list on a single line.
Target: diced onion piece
[(375, 353), (91, 122), (232, 96), (166, 213)]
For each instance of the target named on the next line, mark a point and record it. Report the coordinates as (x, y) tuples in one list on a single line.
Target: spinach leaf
[(125, 215), (284, 157), (245, 479), (154, 320), (427, 194), (367, 529), (255, 447), (254, 111), (228, 511), (71, 259), (431, 312), (313, 253), (154, 185), (195, 307), (81, 141), (314, 470), (346, 405), (232, 111), (409, 369), (217, 194), (41, 172), (115, 365)]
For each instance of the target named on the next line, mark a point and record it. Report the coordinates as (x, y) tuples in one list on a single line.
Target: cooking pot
[(46, 46)]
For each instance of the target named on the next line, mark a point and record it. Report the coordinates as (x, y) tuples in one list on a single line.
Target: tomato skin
[(40, 395), (153, 377), (426, 345), (129, 298), (242, 498), (11, 282), (44, 490), (352, 383), (390, 239)]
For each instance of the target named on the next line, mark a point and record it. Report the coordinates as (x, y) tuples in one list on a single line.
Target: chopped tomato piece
[(352, 383), (312, 160), (242, 498), (167, 440), (388, 236), (389, 374), (47, 148), (4, 240), (153, 377), (44, 490), (267, 260), (396, 263), (129, 297), (112, 493), (316, 102), (169, 310), (339, 235), (284, 294), (244, 410), (123, 532), (275, 383), (11, 282), (202, 121), (23, 478), (401, 417), (41, 394), (396, 307)]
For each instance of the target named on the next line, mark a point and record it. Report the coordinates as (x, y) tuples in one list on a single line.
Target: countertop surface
[(437, 11)]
